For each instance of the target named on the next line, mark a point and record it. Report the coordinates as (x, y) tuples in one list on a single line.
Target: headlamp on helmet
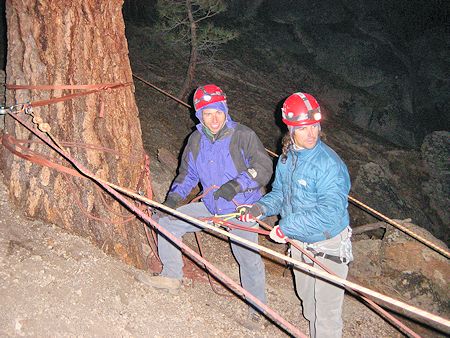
[(205, 95), (301, 109)]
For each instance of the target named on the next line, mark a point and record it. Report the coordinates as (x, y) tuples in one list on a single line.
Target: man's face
[(213, 119), (307, 136)]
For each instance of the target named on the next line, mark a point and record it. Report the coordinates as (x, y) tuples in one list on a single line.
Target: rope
[(93, 89), (109, 187), (384, 314), (10, 143), (438, 249), (112, 189), (162, 91), (211, 282), (428, 243)]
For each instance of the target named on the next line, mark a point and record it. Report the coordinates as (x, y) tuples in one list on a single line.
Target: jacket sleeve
[(331, 207), (259, 166), (272, 202), (187, 177)]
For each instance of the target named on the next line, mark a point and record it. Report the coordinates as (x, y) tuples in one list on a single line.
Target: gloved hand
[(227, 190), (171, 202), (249, 212), (277, 235)]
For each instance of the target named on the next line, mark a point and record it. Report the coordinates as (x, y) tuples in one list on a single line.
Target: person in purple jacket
[(229, 157)]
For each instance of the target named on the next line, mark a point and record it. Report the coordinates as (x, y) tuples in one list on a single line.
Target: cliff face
[(364, 81), (353, 75), (399, 264), (398, 181)]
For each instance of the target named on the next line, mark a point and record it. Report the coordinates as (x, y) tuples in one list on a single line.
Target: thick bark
[(76, 42)]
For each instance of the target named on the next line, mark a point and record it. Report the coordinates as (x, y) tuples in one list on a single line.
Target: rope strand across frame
[(353, 200), (420, 313)]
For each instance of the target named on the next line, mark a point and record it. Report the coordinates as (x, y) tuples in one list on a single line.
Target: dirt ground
[(54, 284)]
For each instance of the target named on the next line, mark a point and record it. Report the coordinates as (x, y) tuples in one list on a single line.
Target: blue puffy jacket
[(310, 193), (235, 153)]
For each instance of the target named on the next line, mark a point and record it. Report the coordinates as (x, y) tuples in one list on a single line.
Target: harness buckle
[(336, 259)]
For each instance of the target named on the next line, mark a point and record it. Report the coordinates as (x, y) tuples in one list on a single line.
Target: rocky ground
[(55, 284)]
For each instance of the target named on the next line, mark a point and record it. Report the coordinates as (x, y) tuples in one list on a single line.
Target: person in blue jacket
[(233, 168), (310, 193)]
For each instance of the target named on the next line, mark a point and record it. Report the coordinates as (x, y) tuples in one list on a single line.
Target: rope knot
[(37, 120), (44, 127)]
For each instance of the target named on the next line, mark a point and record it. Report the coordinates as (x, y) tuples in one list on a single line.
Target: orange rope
[(94, 89), (383, 313), (60, 99), (366, 208)]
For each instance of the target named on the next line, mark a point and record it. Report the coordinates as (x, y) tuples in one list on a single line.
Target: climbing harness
[(43, 132), (114, 191), (353, 200)]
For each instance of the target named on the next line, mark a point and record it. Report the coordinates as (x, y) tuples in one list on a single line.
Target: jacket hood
[(221, 105)]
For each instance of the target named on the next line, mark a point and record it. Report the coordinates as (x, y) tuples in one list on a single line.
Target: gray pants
[(322, 301), (251, 266)]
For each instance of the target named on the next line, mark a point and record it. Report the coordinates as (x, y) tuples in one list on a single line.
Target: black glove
[(171, 202), (249, 213), (227, 190)]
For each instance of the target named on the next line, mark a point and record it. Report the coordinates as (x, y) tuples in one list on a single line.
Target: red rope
[(93, 89), (383, 313), (12, 143), (224, 278)]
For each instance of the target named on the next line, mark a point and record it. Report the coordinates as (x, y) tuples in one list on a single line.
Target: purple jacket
[(235, 153)]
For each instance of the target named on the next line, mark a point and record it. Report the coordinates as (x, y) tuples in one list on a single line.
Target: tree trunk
[(53, 42), (190, 74)]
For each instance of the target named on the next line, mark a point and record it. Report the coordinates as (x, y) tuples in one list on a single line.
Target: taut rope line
[(43, 132), (111, 188), (366, 208), (428, 243)]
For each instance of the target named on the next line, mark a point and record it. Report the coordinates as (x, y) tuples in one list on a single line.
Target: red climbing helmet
[(301, 109), (205, 95)]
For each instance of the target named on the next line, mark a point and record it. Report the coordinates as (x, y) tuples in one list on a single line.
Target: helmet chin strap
[(291, 134), (295, 146)]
